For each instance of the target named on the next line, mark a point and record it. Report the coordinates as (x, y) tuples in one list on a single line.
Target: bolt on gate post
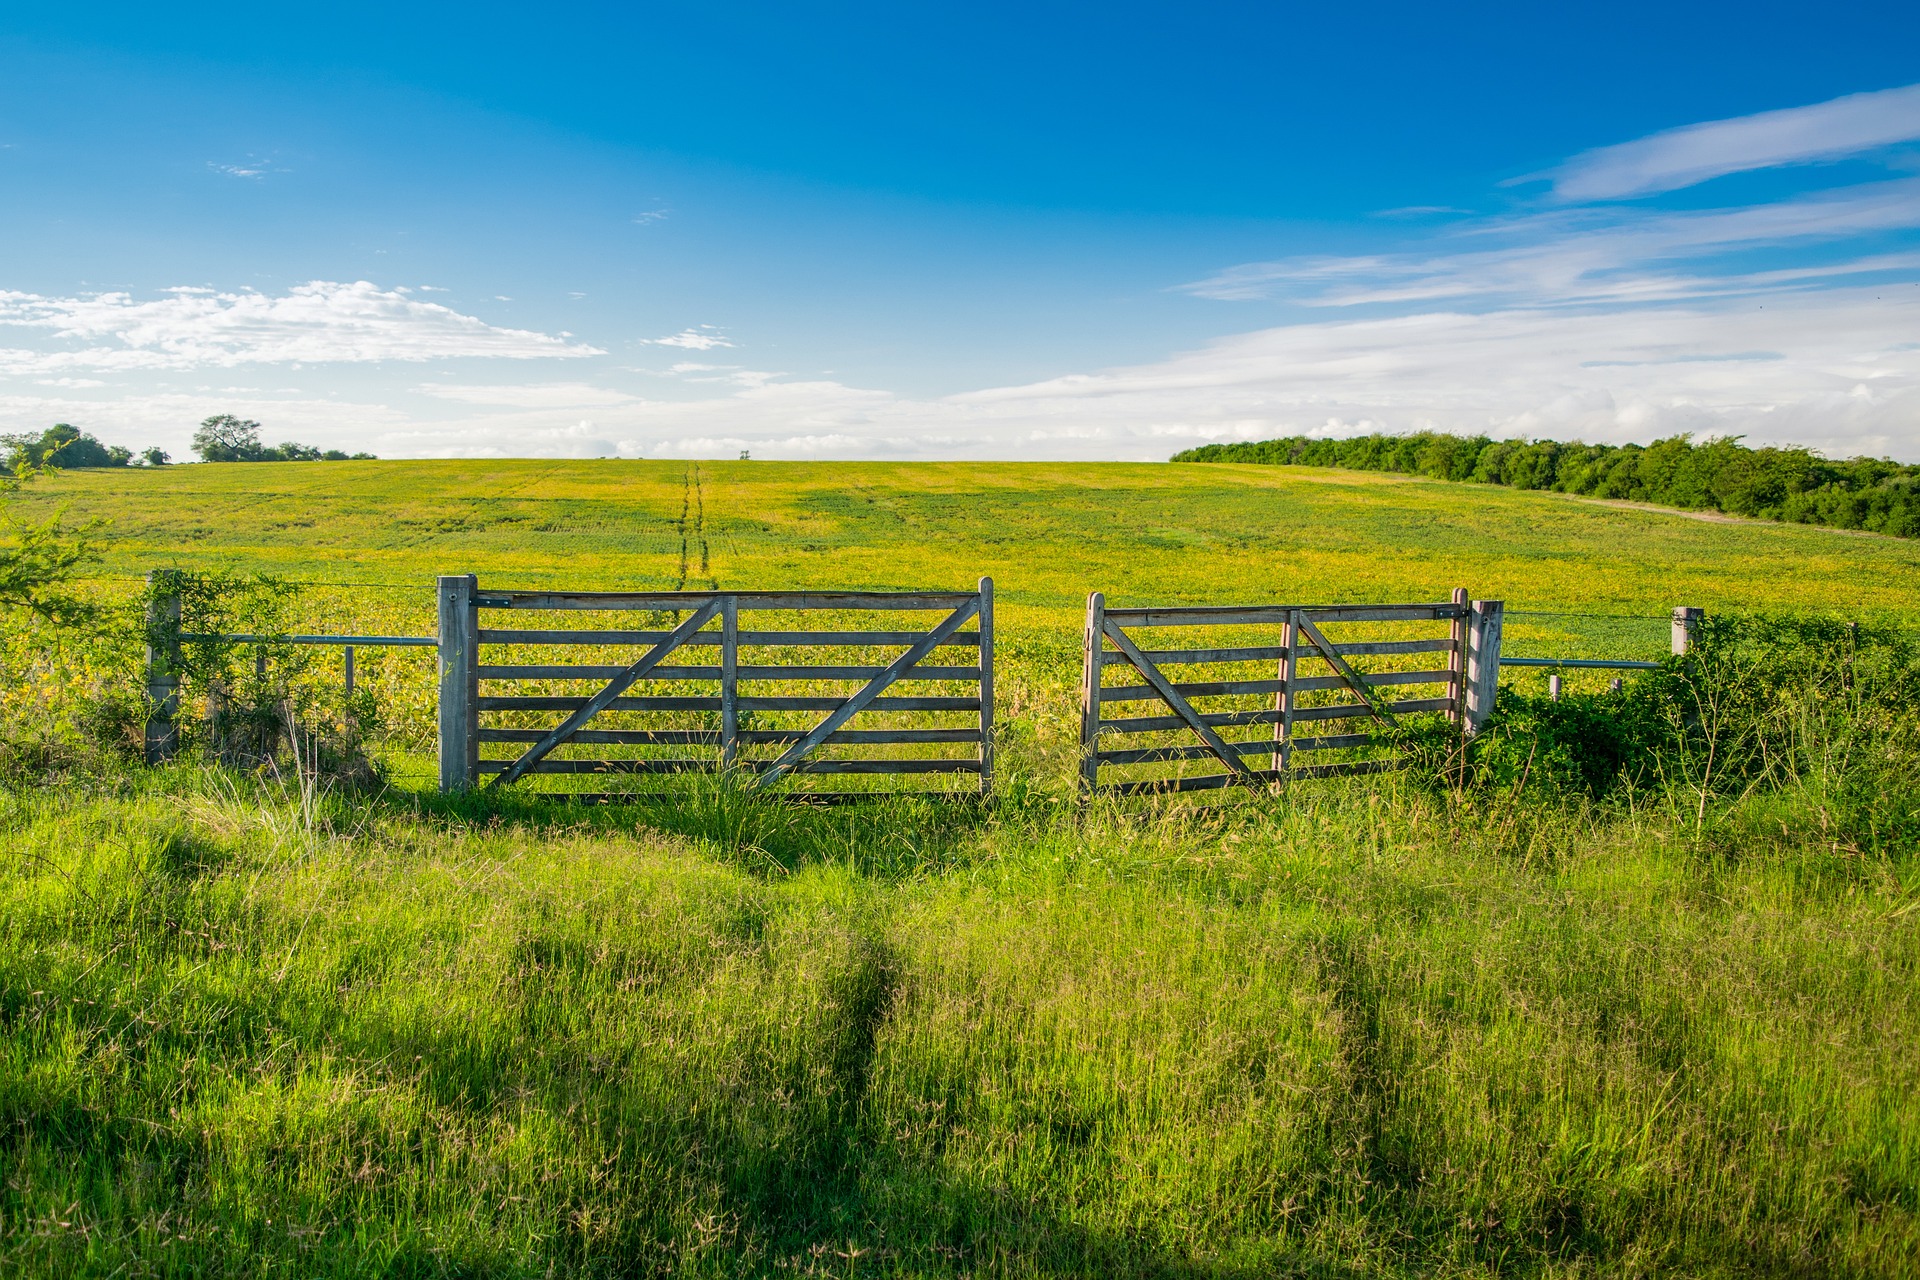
[(459, 682)]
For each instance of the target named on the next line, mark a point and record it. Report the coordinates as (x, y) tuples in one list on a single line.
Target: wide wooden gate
[(784, 683), (1276, 671)]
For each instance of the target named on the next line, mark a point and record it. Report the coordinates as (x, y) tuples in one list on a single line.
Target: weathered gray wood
[(1253, 615), (1352, 710), (748, 639), (615, 687), (531, 671), (729, 681), (747, 737), (459, 685), (1175, 657), (877, 704), (809, 765), (617, 601), (852, 706), (1172, 697), (612, 737), (1457, 661), (1093, 644), (1309, 684), (1189, 689), (562, 702), (606, 672), (1483, 662), (346, 663), (1155, 755), (1221, 781), (1218, 719), (1289, 674), (1686, 622), (162, 735), (985, 676), (863, 736), (1357, 681)]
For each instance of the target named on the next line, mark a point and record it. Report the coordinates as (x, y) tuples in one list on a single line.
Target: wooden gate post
[(729, 681), (1091, 661), (1686, 620), (459, 682), (1457, 660), (1483, 661), (162, 737), (986, 686)]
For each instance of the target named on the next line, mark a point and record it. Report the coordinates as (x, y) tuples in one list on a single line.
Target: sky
[(1040, 231)]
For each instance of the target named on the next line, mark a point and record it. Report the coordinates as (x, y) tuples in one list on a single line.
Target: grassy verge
[(249, 1031)]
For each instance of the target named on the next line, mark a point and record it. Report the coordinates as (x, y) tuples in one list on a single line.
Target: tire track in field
[(695, 557)]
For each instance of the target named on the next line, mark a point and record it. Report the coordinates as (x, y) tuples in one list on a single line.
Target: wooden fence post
[(162, 738), (986, 686), (1457, 661), (459, 683), (1686, 620), (1483, 661), (729, 681), (1090, 695)]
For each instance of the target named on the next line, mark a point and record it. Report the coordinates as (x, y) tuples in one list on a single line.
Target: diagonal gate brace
[(1353, 678), (873, 689), (1171, 696), (601, 700)]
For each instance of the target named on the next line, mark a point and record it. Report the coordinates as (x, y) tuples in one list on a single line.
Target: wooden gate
[(1276, 670), (734, 707)]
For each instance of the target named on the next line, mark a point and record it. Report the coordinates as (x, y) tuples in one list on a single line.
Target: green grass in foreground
[(245, 1034)]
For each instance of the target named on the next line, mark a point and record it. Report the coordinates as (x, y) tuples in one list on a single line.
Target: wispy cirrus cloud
[(1584, 248), (319, 322), (703, 337), (1694, 154)]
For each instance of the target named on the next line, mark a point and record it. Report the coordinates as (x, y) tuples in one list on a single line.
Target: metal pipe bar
[(1606, 663), (423, 642)]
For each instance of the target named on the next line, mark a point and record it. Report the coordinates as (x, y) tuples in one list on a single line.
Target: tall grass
[(250, 1032)]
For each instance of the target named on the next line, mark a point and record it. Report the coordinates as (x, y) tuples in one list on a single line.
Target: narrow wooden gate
[(1273, 669), (734, 709)]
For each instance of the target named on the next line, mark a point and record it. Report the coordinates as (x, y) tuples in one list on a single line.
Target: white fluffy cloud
[(701, 338), (1797, 135), (320, 322)]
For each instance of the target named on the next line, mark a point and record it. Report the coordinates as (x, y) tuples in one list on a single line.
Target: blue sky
[(1034, 231)]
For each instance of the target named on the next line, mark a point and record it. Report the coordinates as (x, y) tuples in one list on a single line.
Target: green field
[(250, 1027)]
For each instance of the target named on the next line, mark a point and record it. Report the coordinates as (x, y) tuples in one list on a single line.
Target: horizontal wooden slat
[(1348, 710), (560, 702), (807, 765), (878, 704), (612, 737), (711, 737), (1309, 684), (1165, 657), (1155, 755), (1381, 648), (575, 672), (764, 639), (538, 672), (1192, 689), (945, 795), (1220, 781), (1216, 719), (689, 600), (1254, 615), (565, 703), (750, 737)]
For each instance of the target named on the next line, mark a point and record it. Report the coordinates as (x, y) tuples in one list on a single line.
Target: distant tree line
[(222, 438), (1790, 484)]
